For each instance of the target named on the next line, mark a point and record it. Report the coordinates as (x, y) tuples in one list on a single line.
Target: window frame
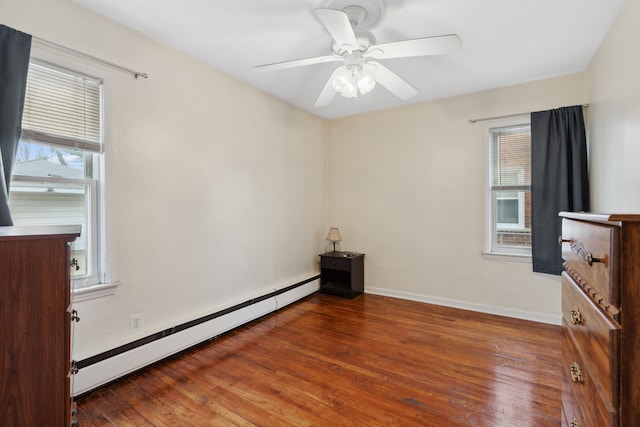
[(104, 282), (491, 250)]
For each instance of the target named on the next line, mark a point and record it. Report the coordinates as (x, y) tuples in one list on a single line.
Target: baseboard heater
[(112, 364)]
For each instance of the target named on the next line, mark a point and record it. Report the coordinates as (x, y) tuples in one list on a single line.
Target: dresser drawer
[(336, 263), (581, 400), (589, 249), (596, 335)]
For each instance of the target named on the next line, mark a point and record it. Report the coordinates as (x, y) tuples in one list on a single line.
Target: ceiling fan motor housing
[(364, 39), (362, 14)]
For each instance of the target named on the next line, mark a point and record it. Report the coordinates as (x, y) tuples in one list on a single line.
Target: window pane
[(42, 203), (513, 220), (513, 238), (39, 160)]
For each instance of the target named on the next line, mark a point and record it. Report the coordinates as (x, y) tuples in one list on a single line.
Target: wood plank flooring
[(370, 361)]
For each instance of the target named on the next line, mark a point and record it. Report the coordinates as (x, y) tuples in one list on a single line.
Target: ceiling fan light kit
[(349, 82), (347, 21), (351, 79)]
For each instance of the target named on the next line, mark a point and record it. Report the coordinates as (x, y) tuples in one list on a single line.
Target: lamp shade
[(334, 235)]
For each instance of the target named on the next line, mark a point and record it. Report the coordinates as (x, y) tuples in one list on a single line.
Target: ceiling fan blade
[(337, 24), (297, 63), (328, 92), (391, 80), (416, 47)]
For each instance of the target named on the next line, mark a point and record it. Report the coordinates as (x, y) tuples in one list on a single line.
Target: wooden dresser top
[(603, 218), (39, 232)]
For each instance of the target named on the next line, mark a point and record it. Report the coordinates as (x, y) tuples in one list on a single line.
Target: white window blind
[(62, 108), (511, 158)]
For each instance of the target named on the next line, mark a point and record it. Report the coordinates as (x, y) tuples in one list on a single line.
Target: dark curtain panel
[(15, 48), (559, 180)]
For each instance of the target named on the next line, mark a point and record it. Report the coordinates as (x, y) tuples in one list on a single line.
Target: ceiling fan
[(354, 45)]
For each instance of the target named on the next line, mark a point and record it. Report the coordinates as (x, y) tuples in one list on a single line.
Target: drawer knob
[(574, 423), (576, 373), (561, 240), (590, 259), (578, 249), (576, 316)]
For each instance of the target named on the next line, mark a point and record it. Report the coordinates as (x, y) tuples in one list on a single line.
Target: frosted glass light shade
[(365, 82), (343, 81), (349, 82)]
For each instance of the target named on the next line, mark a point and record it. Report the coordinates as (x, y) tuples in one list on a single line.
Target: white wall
[(614, 116), (407, 188), (220, 190)]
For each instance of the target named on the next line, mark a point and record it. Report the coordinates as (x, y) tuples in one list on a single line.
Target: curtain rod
[(507, 116), (134, 73)]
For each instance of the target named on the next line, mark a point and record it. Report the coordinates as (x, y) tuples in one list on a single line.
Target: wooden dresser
[(601, 320), (36, 322)]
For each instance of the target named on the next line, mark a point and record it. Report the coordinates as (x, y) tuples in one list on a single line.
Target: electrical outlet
[(136, 323)]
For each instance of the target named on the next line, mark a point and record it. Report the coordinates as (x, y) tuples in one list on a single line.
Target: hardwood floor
[(370, 361)]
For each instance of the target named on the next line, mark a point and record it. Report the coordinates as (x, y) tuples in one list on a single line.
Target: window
[(57, 178), (509, 200)]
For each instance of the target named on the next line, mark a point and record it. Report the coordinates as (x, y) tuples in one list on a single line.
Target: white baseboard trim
[(105, 371), (465, 305)]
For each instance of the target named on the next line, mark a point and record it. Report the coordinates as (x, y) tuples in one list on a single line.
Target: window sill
[(495, 256), (96, 291)]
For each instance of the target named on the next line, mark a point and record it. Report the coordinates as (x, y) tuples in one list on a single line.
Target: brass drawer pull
[(574, 423), (576, 316), (576, 373), (579, 249)]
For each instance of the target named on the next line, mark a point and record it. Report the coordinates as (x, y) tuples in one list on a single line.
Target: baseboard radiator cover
[(111, 365)]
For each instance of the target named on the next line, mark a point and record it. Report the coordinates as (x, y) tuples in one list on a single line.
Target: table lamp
[(334, 236)]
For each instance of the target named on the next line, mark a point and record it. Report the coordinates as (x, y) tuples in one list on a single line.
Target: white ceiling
[(504, 42)]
